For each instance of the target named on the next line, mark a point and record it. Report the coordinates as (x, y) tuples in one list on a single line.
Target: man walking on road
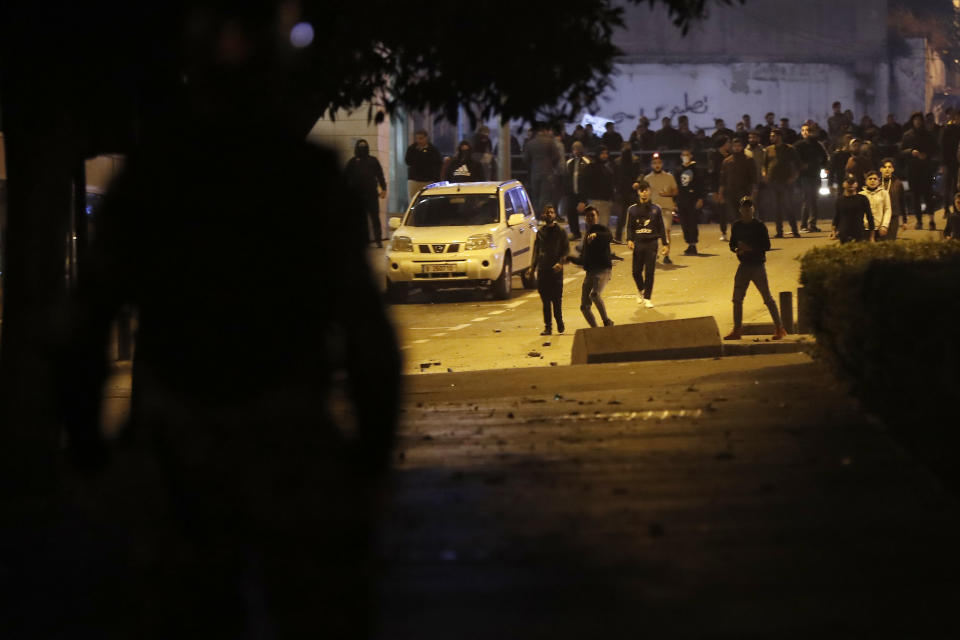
[(550, 249), (423, 163), (644, 233), (596, 260), (690, 192), (917, 148), (663, 190), (780, 171), (750, 240)]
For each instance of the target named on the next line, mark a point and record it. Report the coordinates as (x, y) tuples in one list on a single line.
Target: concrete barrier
[(664, 340)]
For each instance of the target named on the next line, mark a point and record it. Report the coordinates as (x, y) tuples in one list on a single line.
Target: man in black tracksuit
[(690, 192), (750, 240), (918, 148), (596, 260), (550, 249), (645, 231)]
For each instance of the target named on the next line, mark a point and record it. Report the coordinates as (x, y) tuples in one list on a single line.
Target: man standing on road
[(596, 260), (917, 148), (949, 143), (601, 185), (663, 188), (813, 158), (750, 240), (364, 176), (550, 249), (690, 194), (737, 179), (780, 171), (645, 232), (423, 163), (578, 178), (541, 158), (853, 219)]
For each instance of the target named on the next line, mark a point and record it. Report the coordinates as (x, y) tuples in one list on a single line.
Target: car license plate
[(439, 268)]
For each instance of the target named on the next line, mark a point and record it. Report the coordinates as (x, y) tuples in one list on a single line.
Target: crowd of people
[(650, 177)]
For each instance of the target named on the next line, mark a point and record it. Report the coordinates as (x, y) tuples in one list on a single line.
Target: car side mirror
[(515, 219), (394, 223)]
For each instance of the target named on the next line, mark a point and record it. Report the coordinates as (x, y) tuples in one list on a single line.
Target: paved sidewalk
[(739, 497)]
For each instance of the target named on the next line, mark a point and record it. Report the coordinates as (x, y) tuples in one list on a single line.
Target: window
[(455, 210)]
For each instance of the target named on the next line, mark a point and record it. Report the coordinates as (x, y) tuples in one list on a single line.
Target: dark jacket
[(851, 214), (625, 171), (918, 169), (579, 165), (813, 158), (645, 141), (738, 174), (715, 163), (690, 185), (667, 138), (550, 247), (645, 224), (781, 163), (595, 254), (611, 140), (952, 230), (424, 164), (898, 205), (601, 182), (754, 234), (363, 173), (463, 168)]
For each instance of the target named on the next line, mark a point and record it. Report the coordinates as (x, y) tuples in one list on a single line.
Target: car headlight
[(480, 241), (402, 243)]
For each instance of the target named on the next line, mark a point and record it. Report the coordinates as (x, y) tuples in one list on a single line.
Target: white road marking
[(496, 313), (515, 303), (419, 341), (480, 319), (459, 326), (438, 335)]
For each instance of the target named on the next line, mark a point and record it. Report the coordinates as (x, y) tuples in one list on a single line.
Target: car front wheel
[(502, 285)]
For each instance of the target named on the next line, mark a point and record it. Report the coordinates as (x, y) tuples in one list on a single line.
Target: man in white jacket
[(879, 203)]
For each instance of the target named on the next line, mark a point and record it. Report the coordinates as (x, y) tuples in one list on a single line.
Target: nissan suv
[(463, 234)]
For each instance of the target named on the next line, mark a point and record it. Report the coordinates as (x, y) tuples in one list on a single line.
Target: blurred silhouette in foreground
[(244, 258)]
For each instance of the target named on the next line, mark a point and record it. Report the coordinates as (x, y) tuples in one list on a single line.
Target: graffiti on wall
[(697, 107)]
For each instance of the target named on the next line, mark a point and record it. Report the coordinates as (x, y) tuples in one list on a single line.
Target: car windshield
[(455, 210)]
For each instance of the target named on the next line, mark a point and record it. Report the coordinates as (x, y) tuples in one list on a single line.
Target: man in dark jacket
[(550, 249), (625, 171), (780, 171), (813, 158), (642, 138), (853, 219), (423, 163), (611, 139), (738, 178), (918, 148), (667, 137), (949, 143), (690, 192), (645, 232), (601, 185), (364, 176), (750, 240), (596, 260)]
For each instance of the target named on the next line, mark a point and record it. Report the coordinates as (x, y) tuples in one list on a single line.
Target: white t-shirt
[(658, 182)]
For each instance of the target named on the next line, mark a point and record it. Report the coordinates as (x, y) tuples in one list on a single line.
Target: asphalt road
[(464, 330)]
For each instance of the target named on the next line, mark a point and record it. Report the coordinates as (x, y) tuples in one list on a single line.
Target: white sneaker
[(640, 299), (723, 237), (648, 304)]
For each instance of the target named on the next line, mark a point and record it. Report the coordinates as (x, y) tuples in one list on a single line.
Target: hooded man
[(462, 167), (738, 175), (364, 176)]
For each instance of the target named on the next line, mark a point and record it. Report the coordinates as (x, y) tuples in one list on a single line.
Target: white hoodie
[(879, 206)]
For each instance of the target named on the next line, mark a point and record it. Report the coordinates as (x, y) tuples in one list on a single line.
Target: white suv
[(472, 233)]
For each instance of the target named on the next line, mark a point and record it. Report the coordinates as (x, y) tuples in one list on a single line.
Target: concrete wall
[(706, 91), (829, 31)]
